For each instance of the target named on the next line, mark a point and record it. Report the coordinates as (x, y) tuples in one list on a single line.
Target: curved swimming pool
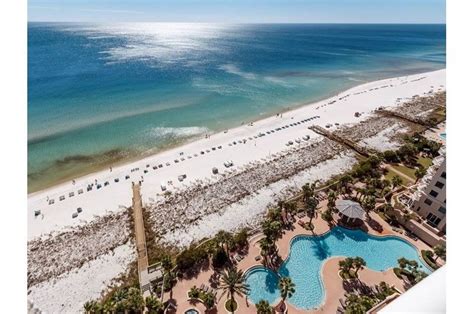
[(308, 254)]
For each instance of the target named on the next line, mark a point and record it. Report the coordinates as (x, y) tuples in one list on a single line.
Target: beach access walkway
[(341, 140), (140, 238)]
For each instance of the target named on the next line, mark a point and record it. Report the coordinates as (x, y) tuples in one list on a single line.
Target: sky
[(239, 11)]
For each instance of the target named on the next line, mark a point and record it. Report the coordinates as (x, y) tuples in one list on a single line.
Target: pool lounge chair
[(343, 303)]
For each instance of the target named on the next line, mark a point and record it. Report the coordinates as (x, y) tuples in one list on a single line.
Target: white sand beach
[(265, 169), (253, 142)]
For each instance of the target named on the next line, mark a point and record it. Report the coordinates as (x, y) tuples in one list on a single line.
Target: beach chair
[(342, 302)]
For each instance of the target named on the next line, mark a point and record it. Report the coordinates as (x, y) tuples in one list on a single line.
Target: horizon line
[(184, 22)]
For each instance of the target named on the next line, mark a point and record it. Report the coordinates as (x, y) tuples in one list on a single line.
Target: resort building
[(431, 204)]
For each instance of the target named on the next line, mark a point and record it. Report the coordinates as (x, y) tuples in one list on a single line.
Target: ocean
[(102, 94)]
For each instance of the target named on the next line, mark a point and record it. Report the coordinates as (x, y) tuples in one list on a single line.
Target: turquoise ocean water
[(100, 94)]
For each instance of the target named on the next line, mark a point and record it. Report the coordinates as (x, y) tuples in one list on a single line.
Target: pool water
[(443, 135), (308, 254)]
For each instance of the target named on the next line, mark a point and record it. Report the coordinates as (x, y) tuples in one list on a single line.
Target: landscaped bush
[(428, 258), (189, 258), (193, 292), (207, 298), (231, 305), (390, 156)]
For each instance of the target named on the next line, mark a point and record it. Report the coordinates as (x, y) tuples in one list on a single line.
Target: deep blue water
[(308, 255), (99, 94)]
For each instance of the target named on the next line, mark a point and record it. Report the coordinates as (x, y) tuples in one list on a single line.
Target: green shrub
[(428, 258)]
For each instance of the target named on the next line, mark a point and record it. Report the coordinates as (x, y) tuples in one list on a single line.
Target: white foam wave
[(233, 69), (166, 132)]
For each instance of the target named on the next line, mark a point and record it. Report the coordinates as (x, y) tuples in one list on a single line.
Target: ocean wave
[(180, 132), (233, 69)]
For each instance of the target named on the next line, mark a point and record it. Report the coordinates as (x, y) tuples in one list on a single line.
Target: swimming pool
[(442, 135), (308, 254)]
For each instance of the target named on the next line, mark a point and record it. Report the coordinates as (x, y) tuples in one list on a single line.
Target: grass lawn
[(405, 170), (390, 174), (424, 161)]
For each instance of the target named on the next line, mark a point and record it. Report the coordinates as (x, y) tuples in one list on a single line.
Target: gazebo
[(351, 210)]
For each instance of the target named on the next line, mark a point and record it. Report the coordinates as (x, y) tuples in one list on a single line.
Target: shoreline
[(143, 155), (363, 98), (266, 169), (140, 155)]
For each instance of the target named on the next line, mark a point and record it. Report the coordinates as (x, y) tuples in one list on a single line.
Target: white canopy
[(350, 209)]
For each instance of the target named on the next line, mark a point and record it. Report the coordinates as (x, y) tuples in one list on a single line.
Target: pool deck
[(333, 284), (435, 133)]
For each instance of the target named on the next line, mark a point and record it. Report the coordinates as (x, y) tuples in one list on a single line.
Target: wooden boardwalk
[(140, 237), (398, 115), (341, 140)]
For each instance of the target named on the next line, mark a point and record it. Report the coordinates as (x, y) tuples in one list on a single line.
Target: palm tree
[(346, 265), (166, 262), (167, 265), (153, 305), (332, 199), (291, 207), (307, 192), (311, 205), (440, 251), (287, 287), (272, 229), (90, 306), (396, 181), (263, 307), (369, 204), (134, 302), (267, 248), (420, 173), (233, 282), (108, 307), (223, 237), (358, 263)]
